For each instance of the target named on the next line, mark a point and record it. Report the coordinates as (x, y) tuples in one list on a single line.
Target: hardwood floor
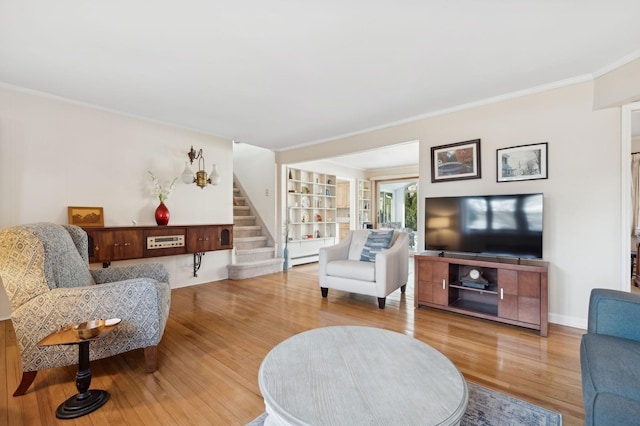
[(218, 333)]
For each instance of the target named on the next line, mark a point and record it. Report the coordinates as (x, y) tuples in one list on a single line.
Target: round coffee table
[(360, 376)]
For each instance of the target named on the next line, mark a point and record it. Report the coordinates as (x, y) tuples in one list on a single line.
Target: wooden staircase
[(255, 254)]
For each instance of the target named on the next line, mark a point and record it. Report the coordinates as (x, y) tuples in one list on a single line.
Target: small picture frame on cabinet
[(86, 216)]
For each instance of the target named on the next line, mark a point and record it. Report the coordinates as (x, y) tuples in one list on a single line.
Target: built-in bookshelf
[(311, 214), (364, 203)]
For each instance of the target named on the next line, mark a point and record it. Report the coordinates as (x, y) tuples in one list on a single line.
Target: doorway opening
[(397, 207)]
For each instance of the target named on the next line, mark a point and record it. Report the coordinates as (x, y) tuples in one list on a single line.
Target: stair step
[(253, 254), (243, 220), (250, 239), (239, 271), (250, 242), (239, 201), (247, 231), (241, 211)]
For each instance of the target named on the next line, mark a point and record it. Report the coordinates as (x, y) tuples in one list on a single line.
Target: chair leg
[(381, 302), (27, 378), (403, 288), (151, 358), (324, 291)]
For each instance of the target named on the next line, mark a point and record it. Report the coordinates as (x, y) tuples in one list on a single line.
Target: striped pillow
[(376, 242)]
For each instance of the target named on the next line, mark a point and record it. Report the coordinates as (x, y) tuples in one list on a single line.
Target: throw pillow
[(376, 242)]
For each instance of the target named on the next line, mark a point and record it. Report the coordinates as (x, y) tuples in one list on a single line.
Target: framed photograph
[(455, 161), (524, 162), (86, 216)]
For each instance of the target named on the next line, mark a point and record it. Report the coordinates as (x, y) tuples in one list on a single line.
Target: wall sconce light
[(200, 178)]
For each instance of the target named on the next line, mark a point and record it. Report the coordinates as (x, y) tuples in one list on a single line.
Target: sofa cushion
[(609, 409), (376, 242), (352, 269), (610, 365)]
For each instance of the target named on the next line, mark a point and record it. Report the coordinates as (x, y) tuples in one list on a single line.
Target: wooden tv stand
[(517, 292)]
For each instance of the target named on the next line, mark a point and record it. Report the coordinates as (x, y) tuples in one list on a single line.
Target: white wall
[(618, 87), (582, 195), (55, 154)]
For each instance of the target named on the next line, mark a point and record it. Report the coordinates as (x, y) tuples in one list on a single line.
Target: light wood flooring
[(218, 333)]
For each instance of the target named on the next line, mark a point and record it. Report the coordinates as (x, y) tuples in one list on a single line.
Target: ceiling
[(399, 155), (289, 73)]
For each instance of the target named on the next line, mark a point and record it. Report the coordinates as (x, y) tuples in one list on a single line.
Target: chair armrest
[(155, 271), (392, 266), (614, 313), (142, 304), (122, 299)]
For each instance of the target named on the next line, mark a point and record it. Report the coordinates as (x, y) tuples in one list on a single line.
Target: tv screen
[(495, 225)]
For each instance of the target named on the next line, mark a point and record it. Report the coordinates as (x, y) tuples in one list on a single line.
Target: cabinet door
[(519, 295), (508, 294), (433, 281), (201, 239), (440, 283), (344, 229), (225, 237), (343, 194), (118, 245), (529, 297)]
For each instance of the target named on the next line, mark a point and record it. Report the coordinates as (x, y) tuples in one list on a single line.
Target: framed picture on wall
[(455, 161), (524, 162), (86, 216)]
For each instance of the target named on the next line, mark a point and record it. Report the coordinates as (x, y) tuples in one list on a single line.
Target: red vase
[(162, 214)]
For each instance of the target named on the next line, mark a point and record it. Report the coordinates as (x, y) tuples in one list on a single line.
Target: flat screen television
[(493, 225)]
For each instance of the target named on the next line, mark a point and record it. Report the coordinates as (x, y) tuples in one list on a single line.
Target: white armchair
[(340, 266)]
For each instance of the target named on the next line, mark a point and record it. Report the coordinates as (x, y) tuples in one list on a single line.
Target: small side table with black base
[(86, 400)]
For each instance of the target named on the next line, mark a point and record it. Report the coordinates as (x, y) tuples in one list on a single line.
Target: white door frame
[(625, 195)]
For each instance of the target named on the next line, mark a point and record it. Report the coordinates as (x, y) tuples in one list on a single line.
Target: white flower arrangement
[(162, 193)]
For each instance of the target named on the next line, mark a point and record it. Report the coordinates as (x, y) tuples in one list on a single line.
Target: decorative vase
[(162, 214), (285, 254)]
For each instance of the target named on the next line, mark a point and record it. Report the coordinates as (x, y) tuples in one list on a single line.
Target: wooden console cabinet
[(517, 292), (122, 243)]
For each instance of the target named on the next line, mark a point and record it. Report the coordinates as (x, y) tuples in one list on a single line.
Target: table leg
[(86, 400)]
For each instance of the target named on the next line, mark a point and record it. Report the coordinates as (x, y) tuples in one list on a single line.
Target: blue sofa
[(610, 359)]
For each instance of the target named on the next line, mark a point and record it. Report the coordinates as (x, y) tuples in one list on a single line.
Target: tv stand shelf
[(517, 292)]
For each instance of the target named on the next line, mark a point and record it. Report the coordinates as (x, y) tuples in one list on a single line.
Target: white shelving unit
[(364, 203), (311, 211)]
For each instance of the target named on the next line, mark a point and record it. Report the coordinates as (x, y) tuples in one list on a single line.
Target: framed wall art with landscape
[(455, 161), (524, 162), (86, 216)]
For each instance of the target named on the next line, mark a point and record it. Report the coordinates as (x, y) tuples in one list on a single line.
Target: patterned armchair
[(45, 272)]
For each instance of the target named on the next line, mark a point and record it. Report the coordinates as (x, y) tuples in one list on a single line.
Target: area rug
[(490, 408)]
